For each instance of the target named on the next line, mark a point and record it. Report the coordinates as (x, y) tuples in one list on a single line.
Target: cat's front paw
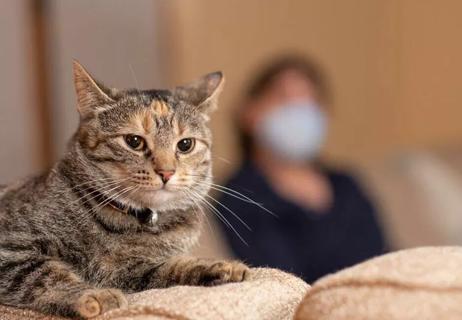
[(219, 272), (94, 302)]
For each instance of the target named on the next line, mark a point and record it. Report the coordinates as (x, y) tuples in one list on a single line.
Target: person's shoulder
[(243, 174), (343, 177)]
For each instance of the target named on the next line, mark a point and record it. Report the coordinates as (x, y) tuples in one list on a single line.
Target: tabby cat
[(118, 212)]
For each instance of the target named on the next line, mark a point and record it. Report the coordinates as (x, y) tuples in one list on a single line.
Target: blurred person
[(325, 221)]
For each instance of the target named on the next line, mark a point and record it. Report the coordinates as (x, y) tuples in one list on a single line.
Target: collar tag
[(154, 217)]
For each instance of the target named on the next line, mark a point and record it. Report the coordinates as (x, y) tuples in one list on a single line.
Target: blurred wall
[(430, 68), (394, 65), (119, 44), (20, 152), (116, 40)]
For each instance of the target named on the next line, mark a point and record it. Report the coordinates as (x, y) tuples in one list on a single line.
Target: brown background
[(394, 67)]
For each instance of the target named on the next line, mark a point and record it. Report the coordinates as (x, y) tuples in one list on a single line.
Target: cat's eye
[(135, 142), (185, 145)]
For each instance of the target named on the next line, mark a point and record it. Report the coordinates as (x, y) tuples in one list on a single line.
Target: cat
[(118, 213)]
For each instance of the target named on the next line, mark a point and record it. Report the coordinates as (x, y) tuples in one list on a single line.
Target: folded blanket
[(421, 283), (267, 294)]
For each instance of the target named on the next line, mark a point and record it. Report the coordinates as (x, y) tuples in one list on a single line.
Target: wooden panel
[(394, 65), (431, 72), (351, 39)]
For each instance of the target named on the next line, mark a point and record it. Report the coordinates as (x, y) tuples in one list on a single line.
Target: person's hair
[(265, 77)]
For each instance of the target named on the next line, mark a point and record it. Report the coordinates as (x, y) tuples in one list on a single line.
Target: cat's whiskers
[(198, 206), (230, 211), (87, 184), (112, 198), (93, 210), (92, 182), (190, 198), (235, 194), (98, 191), (240, 195), (199, 175), (222, 159), (198, 197), (220, 216), (127, 195), (134, 77), (198, 200)]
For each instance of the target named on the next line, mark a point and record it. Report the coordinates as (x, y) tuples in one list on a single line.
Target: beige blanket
[(267, 294), (414, 284)]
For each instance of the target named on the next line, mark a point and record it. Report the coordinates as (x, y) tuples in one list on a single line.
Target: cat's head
[(146, 148)]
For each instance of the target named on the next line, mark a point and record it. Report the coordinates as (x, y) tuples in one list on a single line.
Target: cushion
[(419, 197), (422, 283), (267, 294)]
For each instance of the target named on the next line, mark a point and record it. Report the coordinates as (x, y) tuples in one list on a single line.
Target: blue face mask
[(294, 132)]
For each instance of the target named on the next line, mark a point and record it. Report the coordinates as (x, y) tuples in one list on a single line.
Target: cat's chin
[(161, 196), (163, 200)]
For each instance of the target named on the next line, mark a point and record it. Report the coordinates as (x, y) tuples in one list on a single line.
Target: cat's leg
[(138, 274), (51, 286), (185, 270)]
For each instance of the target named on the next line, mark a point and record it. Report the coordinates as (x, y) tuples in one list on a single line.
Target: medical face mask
[(294, 132)]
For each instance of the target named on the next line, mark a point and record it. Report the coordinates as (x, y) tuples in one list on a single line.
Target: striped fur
[(67, 249)]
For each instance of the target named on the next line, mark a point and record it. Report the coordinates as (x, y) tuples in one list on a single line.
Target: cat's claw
[(222, 272), (98, 301)]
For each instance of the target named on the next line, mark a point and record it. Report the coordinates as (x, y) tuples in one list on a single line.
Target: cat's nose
[(165, 175)]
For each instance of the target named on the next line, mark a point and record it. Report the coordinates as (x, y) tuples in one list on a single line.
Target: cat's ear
[(202, 93), (92, 96)]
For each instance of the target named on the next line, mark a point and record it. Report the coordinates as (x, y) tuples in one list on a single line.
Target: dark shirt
[(299, 240)]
